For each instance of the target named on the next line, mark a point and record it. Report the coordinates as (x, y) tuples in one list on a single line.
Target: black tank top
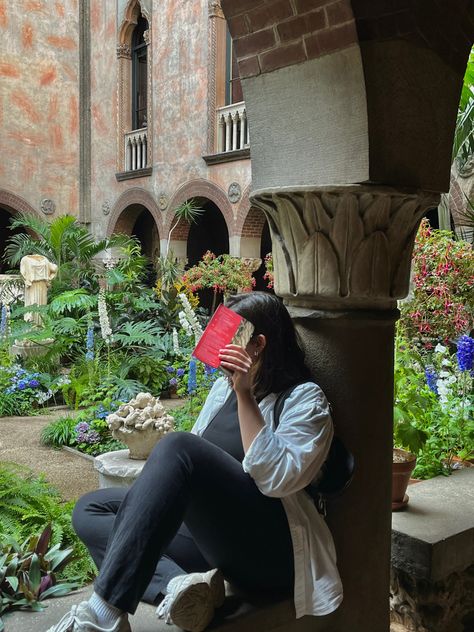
[(224, 430)]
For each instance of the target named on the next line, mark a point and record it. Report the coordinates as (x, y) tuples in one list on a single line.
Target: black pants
[(191, 509)]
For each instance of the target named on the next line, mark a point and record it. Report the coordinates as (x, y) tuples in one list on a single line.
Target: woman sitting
[(224, 501)]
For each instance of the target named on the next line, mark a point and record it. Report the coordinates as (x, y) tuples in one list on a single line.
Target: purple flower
[(82, 426), (22, 384), (92, 437), (33, 383), (170, 369), (173, 381), (431, 378), (465, 353), (180, 372)]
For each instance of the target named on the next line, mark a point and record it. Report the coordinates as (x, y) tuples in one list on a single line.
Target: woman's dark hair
[(283, 361)]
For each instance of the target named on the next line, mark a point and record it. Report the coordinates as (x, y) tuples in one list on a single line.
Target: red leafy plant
[(223, 274), (441, 307)]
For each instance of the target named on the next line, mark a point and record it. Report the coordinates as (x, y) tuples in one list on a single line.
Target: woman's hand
[(239, 363)]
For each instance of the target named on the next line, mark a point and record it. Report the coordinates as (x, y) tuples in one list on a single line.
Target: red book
[(225, 327)]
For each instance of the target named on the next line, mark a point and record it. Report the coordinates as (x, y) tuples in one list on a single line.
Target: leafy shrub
[(27, 504), (434, 405), (29, 572), (442, 305), (58, 433)]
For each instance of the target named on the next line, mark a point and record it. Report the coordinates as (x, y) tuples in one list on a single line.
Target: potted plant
[(412, 403)]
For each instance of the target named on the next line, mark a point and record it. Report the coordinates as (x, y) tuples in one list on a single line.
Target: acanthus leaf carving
[(343, 247)]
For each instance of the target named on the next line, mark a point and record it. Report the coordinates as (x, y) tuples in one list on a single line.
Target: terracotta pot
[(403, 465)]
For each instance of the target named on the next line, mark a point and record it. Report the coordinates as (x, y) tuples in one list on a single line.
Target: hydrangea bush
[(23, 391)]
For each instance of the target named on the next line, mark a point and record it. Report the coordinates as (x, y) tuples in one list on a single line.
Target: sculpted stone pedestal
[(342, 259)]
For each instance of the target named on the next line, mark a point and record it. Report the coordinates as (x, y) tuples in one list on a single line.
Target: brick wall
[(254, 223), (272, 34)]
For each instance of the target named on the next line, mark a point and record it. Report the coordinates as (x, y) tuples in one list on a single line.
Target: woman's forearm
[(250, 418)]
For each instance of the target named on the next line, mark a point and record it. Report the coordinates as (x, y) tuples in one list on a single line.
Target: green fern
[(138, 334), (74, 299)]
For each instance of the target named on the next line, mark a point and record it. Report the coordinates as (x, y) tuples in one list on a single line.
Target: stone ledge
[(434, 536)]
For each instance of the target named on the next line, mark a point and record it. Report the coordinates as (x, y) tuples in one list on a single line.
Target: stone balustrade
[(232, 128), (136, 143)]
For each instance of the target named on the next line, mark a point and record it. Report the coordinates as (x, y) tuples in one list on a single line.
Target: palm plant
[(64, 242)]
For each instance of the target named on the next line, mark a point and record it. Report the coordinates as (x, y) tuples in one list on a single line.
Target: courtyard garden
[(105, 335)]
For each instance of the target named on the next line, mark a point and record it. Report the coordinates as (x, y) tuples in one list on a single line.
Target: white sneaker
[(191, 600), (82, 618)]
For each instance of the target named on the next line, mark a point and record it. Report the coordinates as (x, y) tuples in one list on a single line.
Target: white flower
[(176, 341), (444, 374), (190, 317), (185, 324), (445, 362), (105, 330), (440, 349)]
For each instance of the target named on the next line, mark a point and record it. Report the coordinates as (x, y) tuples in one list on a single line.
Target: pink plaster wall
[(179, 55), (39, 92)]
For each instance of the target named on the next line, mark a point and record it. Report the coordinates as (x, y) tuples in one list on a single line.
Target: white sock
[(106, 614)]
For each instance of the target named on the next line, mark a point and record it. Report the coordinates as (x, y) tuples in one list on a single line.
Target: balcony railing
[(136, 144), (232, 128)]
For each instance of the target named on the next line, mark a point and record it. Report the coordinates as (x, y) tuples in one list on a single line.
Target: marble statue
[(38, 272)]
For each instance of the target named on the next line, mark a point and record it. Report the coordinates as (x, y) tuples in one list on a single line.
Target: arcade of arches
[(189, 242)]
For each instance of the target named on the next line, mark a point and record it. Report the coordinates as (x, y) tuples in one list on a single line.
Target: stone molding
[(343, 247), (134, 195), (215, 9), (201, 189), (16, 204), (124, 51)]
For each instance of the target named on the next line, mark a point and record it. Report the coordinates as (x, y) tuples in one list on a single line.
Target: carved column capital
[(215, 9), (343, 247), (124, 52), (147, 37)]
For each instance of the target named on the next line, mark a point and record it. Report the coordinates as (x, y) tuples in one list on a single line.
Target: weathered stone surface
[(343, 247), (117, 469)]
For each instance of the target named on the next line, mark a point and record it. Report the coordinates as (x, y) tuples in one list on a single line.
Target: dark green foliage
[(29, 572), (28, 503)]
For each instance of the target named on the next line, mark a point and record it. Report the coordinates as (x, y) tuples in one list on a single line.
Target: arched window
[(139, 75)]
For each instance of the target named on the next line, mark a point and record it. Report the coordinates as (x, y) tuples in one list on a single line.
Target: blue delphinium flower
[(3, 321), (180, 372), (90, 343), (465, 353), (192, 378), (170, 369), (431, 378)]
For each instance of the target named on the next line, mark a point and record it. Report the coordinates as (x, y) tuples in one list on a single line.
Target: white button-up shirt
[(282, 462)]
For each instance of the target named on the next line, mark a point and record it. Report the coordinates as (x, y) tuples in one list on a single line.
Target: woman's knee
[(176, 443)]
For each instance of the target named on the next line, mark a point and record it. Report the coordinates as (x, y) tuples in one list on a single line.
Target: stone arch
[(132, 12), (10, 205), (201, 188), (131, 197), (15, 203)]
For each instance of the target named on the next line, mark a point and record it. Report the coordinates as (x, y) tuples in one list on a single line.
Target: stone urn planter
[(403, 465), (140, 424)]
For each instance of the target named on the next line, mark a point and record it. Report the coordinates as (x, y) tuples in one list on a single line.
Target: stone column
[(342, 259)]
